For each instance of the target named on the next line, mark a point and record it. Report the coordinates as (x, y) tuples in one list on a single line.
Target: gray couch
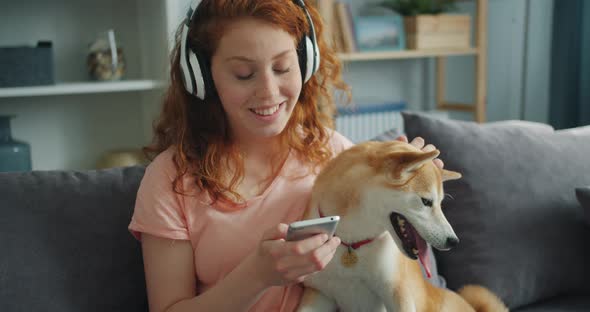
[(65, 245)]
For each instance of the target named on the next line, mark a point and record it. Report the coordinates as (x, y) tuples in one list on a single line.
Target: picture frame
[(380, 33)]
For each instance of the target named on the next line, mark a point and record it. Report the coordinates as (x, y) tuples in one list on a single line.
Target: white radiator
[(365, 122)]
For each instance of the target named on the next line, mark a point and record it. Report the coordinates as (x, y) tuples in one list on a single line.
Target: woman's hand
[(279, 262), (419, 143)]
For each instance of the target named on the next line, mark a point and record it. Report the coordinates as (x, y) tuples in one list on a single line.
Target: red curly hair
[(198, 130)]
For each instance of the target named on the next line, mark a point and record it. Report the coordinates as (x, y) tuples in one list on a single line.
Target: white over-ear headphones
[(196, 71)]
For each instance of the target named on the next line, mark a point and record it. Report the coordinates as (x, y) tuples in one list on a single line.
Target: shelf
[(405, 54), (82, 88)]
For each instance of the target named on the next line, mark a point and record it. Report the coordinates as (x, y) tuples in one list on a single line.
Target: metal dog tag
[(349, 259)]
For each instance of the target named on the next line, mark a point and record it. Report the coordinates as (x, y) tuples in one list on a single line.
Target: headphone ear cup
[(197, 74), (303, 58), (308, 50), (186, 72), (316, 58), (310, 58), (205, 74)]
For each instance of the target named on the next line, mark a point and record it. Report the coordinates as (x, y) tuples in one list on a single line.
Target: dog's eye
[(427, 202)]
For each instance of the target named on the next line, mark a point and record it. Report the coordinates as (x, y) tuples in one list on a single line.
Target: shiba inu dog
[(388, 196)]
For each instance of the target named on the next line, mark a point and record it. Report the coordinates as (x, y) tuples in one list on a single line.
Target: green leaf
[(415, 7)]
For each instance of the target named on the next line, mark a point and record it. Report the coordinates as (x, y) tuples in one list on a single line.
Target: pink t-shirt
[(221, 236)]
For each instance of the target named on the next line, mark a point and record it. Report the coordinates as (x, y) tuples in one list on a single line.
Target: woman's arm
[(171, 279)]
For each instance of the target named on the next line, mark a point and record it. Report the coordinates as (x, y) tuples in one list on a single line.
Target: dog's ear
[(405, 163), (448, 175), (411, 161)]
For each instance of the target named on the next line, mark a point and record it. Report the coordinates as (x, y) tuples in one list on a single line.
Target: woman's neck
[(262, 159), (259, 148)]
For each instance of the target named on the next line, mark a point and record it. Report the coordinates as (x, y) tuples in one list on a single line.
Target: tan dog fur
[(363, 185)]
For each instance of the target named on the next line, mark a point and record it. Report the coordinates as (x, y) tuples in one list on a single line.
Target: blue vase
[(14, 155)]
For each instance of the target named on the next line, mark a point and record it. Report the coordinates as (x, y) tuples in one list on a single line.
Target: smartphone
[(303, 229)]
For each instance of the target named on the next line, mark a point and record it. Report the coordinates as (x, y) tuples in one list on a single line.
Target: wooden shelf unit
[(82, 88), (404, 54), (478, 108)]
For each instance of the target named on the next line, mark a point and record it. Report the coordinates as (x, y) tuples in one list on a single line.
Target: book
[(346, 27), (326, 10)]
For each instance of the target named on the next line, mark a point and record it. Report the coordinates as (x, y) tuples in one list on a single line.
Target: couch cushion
[(521, 229), (65, 243), (559, 304), (583, 194)]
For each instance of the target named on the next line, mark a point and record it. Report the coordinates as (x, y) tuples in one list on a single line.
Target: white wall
[(72, 132), (519, 51)]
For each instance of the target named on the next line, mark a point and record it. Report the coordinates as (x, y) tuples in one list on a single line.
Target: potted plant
[(428, 27)]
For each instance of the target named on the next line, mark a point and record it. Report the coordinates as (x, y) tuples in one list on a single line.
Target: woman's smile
[(267, 112)]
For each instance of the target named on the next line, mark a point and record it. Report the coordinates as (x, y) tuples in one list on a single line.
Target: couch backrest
[(65, 244)]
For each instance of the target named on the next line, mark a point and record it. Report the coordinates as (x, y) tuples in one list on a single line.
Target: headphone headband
[(191, 11), (196, 70)]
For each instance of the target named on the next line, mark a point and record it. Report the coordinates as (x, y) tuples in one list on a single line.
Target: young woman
[(238, 144)]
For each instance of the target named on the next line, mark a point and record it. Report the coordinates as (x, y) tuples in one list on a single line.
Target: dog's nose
[(452, 242)]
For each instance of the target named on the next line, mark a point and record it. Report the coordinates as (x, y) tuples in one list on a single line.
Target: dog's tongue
[(423, 255)]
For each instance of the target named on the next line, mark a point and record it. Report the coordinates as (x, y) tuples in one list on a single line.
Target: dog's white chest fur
[(360, 287)]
